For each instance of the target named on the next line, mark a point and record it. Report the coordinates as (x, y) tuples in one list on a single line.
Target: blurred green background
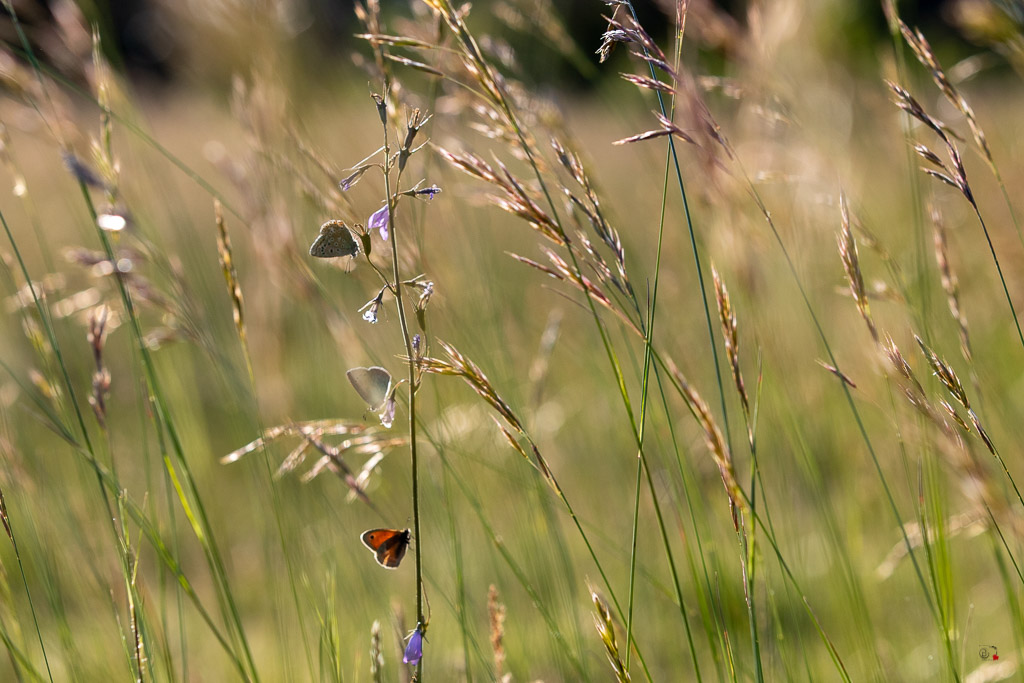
[(265, 105)]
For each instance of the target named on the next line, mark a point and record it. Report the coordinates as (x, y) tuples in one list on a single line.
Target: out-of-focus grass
[(306, 590)]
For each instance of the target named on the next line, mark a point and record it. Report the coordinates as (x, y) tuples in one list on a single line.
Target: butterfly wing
[(372, 385), (388, 545), (335, 239)]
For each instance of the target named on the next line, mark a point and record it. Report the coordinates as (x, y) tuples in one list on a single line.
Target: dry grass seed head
[(715, 443), (606, 630), (496, 615), (320, 427), (101, 376), (227, 264), (460, 366), (950, 282), (945, 373), (730, 334), (376, 653), (922, 49), (908, 381), (851, 264), (955, 175), (838, 373), (968, 524)]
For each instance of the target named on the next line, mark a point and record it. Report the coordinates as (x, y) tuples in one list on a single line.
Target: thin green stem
[(392, 202), (693, 248), (187, 490), (999, 269)]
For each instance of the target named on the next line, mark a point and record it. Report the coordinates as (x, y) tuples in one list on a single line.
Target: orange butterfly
[(389, 545)]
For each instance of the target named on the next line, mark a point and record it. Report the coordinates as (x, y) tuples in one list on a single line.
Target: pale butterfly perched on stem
[(335, 239), (374, 386)]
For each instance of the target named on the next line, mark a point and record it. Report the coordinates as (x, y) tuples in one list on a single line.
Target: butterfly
[(335, 239), (389, 545), (372, 384)]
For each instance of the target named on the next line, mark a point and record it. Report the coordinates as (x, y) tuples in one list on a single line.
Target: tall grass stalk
[(11, 648), (922, 275), (473, 53), (648, 334), (391, 202)]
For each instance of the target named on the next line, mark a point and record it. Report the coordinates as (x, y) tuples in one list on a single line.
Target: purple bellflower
[(379, 221)]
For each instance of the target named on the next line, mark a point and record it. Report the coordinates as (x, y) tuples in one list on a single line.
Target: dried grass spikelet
[(968, 524), (469, 51), (360, 440), (592, 208), (715, 442), (513, 198), (667, 128), (101, 376), (953, 174), (955, 416), (606, 630), (607, 235), (911, 387), (730, 329), (561, 270), (103, 150), (648, 83), (171, 300), (376, 653), (704, 131), (496, 618), (623, 29), (3, 516), (519, 202), (949, 379), (950, 282), (899, 363), (395, 41), (945, 373), (923, 51), (227, 264), (842, 376), (25, 296), (851, 264), (372, 445), (955, 447), (458, 365)]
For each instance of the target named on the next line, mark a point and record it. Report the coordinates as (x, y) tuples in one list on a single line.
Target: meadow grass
[(696, 376)]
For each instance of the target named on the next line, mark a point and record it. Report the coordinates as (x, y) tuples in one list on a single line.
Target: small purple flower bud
[(429, 191), (347, 183), (379, 221), (414, 650)]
